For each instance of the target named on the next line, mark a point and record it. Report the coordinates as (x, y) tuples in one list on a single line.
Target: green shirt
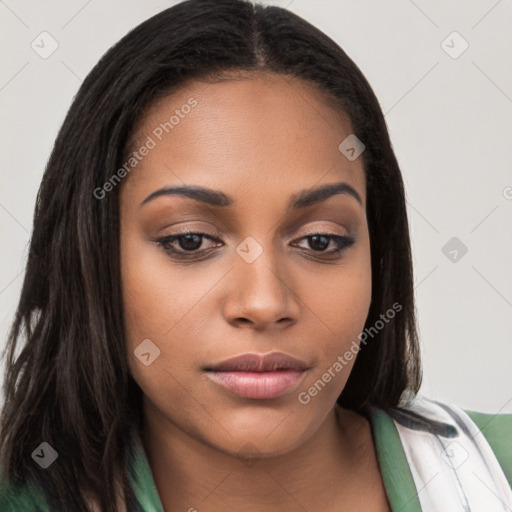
[(396, 474)]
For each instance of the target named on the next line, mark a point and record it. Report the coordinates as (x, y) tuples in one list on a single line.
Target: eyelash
[(343, 242)]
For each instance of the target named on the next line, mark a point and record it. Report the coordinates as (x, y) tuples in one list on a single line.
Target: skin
[(259, 138)]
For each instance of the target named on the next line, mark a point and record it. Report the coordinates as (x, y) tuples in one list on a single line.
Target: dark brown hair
[(67, 380)]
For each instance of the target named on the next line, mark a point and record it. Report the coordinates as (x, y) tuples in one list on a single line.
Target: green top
[(396, 474)]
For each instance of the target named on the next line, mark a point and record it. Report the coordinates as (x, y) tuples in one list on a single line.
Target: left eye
[(190, 241), (321, 241)]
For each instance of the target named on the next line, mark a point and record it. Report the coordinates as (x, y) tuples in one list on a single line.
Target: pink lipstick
[(258, 376)]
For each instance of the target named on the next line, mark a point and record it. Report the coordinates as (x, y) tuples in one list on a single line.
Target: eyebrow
[(302, 199)]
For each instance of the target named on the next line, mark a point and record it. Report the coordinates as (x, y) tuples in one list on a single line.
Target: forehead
[(243, 132)]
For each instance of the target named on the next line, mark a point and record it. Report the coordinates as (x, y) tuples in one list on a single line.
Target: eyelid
[(321, 230), (301, 233)]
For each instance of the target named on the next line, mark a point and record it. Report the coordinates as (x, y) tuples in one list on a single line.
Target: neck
[(191, 475)]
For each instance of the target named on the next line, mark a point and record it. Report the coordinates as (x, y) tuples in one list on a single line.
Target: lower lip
[(258, 384)]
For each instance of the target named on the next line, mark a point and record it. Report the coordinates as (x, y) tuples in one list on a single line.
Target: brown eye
[(319, 242), (188, 242)]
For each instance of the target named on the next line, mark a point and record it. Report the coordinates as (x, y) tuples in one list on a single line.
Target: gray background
[(450, 123)]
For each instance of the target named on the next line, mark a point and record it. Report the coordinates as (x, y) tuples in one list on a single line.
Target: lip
[(258, 376), (252, 362)]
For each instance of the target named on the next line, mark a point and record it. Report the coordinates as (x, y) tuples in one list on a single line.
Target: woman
[(218, 306)]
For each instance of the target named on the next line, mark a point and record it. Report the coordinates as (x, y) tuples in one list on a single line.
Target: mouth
[(258, 376)]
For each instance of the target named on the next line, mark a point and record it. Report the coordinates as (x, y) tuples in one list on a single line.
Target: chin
[(264, 429)]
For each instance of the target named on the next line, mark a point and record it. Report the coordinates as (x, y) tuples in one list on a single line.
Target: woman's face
[(263, 283)]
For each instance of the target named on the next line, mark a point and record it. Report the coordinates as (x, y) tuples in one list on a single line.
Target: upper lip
[(252, 362)]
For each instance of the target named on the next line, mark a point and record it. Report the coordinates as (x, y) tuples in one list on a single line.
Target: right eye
[(189, 241)]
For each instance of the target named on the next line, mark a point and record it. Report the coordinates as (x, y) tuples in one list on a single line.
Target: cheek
[(341, 307), (155, 297), (159, 304), (345, 296), (147, 302), (151, 308)]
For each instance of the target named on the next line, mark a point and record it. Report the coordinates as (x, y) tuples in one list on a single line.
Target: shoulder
[(490, 434), (497, 429), (21, 498)]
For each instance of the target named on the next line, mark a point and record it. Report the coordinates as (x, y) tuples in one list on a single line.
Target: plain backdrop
[(442, 71)]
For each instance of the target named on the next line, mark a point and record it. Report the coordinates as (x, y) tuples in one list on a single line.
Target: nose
[(261, 294)]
